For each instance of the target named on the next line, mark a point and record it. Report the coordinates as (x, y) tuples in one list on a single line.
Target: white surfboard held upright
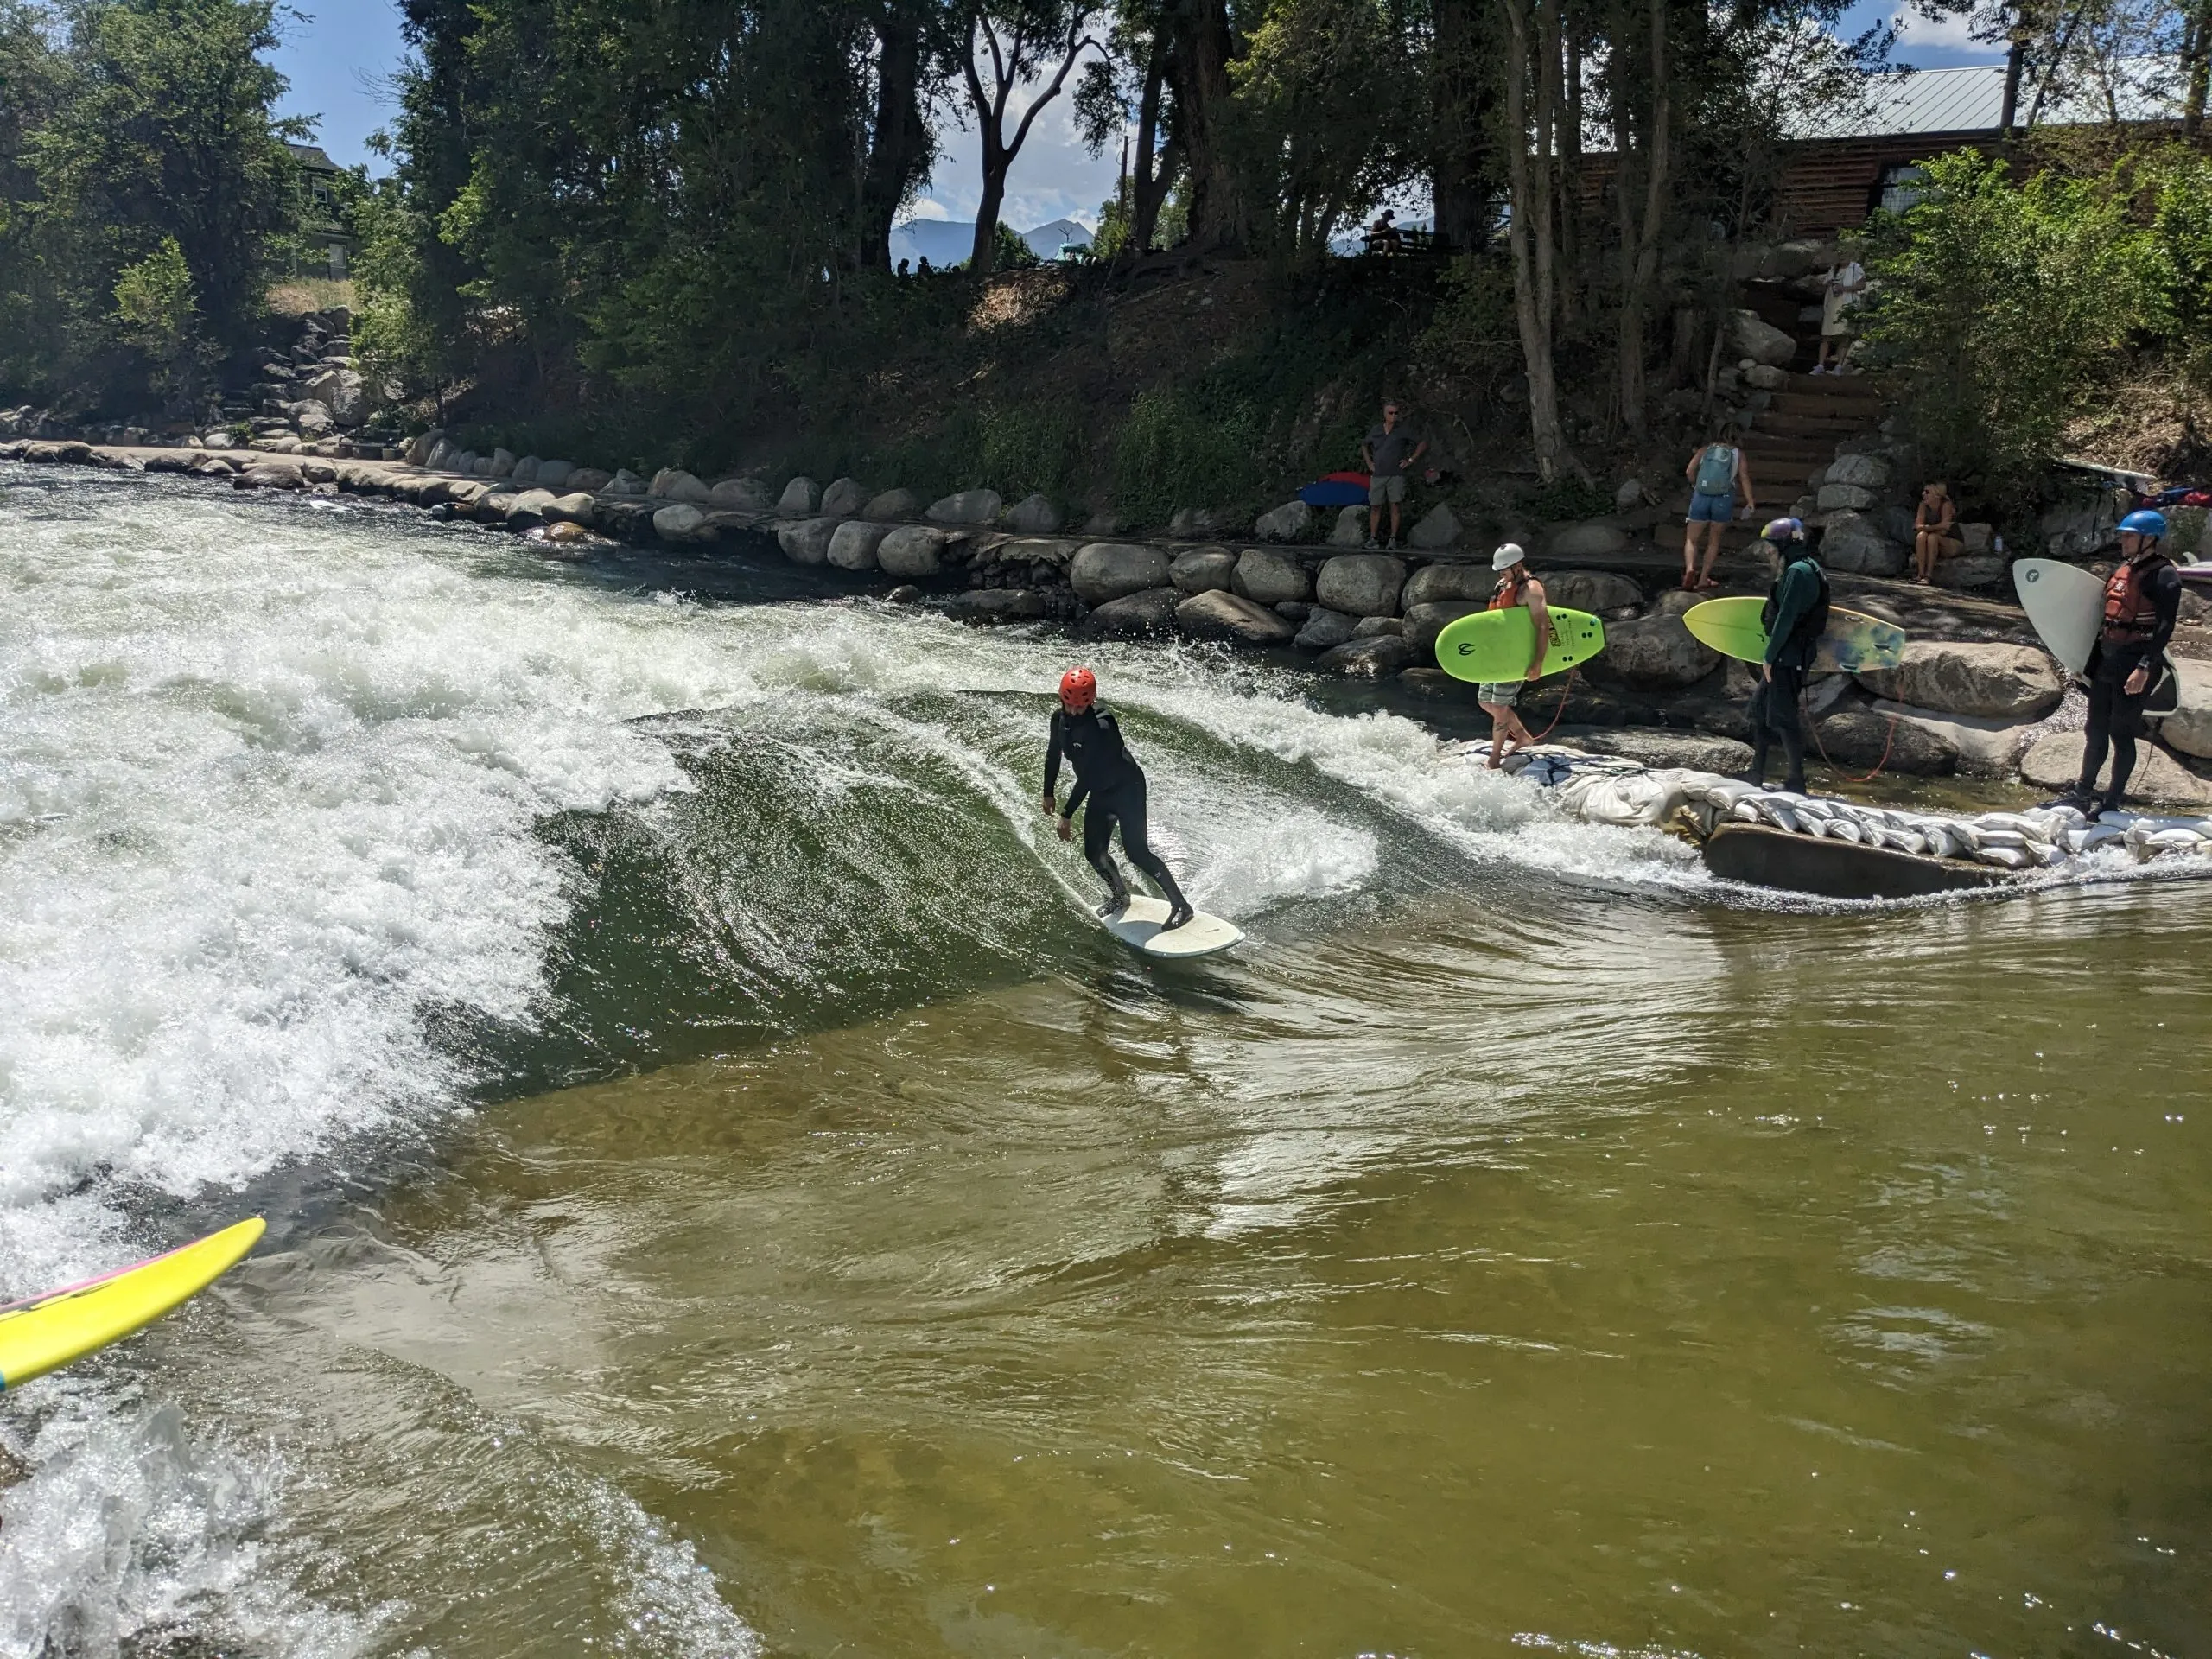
[(1142, 922), (2067, 606)]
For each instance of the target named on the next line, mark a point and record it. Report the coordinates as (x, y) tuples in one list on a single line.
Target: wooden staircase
[(1795, 435)]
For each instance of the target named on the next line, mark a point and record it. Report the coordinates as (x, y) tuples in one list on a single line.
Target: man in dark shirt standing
[(1090, 739), (2142, 604), (1795, 617), (1389, 452)]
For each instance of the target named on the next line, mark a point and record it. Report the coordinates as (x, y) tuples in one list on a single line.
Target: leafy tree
[(157, 310), (1327, 92), (2003, 305), (167, 133), (1016, 42), (1009, 251)]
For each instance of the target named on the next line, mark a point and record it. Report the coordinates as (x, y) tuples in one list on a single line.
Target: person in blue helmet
[(2142, 604), (1795, 616)]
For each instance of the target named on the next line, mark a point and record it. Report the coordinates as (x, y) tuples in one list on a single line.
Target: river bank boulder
[(1203, 570), (853, 545), (966, 507), (1267, 577), (1102, 572), (1993, 681), (1219, 616), (1362, 584), (1133, 615), (913, 552)]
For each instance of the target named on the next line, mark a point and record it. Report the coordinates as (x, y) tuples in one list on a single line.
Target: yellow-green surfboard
[(48, 1331), (1496, 645), (1854, 640)]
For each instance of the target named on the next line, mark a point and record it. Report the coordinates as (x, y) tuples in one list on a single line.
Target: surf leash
[(1805, 708), (1565, 691)]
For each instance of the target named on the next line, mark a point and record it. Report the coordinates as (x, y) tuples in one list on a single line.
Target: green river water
[(727, 1198)]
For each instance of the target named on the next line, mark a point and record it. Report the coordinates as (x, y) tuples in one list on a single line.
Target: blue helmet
[(1783, 529), (2147, 523)]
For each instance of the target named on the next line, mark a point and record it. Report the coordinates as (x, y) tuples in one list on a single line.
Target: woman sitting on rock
[(1935, 530)]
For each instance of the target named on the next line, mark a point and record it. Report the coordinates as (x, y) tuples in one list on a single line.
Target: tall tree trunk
[(2055, 66), (1571, 296), (1148, 184), (983, 252), (2015, 53), (1639, 241), (1460, 119), (1531, 230), (2197, 65), (1199, 73), (899, 138), (1010, 68)]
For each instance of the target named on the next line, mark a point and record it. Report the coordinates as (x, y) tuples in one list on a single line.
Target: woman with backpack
[(1720, 478)]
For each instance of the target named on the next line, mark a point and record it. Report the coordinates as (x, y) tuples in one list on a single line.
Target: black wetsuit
[(2116, 718), (1110, 779), (1795, 616)]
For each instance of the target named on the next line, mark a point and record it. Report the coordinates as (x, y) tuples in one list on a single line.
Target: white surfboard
[(1142, 922), (2066, 604)]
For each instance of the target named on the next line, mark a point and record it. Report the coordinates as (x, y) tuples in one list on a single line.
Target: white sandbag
[(1746, 812), (2096, 835), (1636, 798), (1948, 841), (1725, 792), (2012, 858)]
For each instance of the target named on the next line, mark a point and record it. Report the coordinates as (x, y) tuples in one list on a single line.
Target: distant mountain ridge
[(948, 242)]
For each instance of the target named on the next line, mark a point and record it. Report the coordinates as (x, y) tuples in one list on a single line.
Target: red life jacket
[(1509, 593), (2131, 615)]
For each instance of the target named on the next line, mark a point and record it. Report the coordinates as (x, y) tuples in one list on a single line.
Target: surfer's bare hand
[(1766, 672), (1050, 805), (2137, 680), (1067, 829)]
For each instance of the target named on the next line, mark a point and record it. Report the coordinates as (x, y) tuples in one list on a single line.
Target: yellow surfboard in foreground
[(48, 1331)]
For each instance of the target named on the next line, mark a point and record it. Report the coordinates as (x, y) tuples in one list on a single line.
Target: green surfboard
[(1495, 645), (1854, 640)]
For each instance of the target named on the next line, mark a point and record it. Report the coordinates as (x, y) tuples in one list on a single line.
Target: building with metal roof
[(1846, 166)]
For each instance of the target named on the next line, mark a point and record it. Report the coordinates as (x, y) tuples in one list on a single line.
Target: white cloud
[(928, 209), (1951, 34)]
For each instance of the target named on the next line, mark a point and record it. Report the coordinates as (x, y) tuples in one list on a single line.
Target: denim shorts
[(1718, 508)]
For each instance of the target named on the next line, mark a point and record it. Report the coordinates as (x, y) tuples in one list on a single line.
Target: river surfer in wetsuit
[(1109, 778), (1795, 616), (2142, 603)]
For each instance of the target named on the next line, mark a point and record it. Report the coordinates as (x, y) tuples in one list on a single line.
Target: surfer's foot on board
[(1178, 916)]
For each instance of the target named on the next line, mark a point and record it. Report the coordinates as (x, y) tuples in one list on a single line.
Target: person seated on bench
[(1383, 236)]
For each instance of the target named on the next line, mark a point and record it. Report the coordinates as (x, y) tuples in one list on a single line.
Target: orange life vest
[(1509, 593), (2131, 615)]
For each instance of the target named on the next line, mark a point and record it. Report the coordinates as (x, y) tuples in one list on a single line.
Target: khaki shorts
[(1381, 488)]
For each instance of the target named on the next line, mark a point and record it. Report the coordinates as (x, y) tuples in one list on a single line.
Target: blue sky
[(337, 56)]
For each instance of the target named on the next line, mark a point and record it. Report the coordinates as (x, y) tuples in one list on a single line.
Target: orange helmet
[(1078, 690)]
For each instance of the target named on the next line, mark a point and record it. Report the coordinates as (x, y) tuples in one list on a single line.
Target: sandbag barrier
[(1609, 790)]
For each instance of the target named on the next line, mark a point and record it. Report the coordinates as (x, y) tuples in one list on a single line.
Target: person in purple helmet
[(1795, 616)]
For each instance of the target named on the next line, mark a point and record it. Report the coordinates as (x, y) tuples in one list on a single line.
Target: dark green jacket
[(1802, 587)]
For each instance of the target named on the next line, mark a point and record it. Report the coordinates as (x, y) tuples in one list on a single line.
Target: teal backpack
[(1716, 470)]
